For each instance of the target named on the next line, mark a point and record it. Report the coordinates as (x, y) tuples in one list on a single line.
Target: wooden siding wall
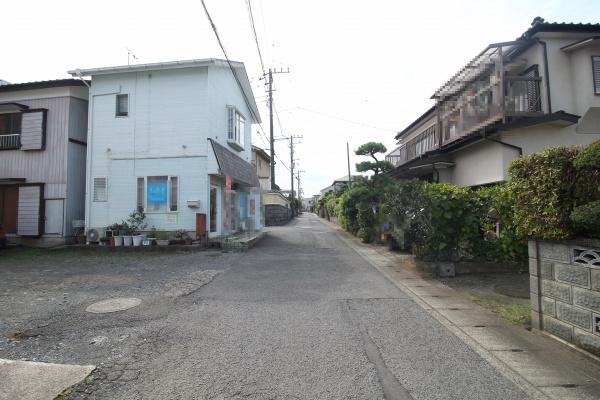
[(33, 130), (28, 213)]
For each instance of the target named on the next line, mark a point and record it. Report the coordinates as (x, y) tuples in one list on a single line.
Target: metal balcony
[(10, 142)]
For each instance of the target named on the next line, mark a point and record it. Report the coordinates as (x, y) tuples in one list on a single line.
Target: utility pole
[(299, 190), (348, 155), (269, 82), (292, 197)]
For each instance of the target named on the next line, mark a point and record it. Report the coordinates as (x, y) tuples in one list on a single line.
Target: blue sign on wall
[(243, 205), (156, 194)]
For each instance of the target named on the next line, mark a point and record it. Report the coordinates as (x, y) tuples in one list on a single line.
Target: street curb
[(531, 390)]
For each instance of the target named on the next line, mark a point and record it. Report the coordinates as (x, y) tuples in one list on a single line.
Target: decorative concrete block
[(533, 284), (532, 249), (554, 251), (533, 266), (546, 269), (446, 269), (548, 306), (574, 274), (558, 328), (595, 279), (536, 320), (596, 324), (587, 341), (574, 315), (535, 302), (559, 291), (586, 298)]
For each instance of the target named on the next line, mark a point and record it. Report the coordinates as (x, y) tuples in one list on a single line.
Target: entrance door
[(9, 198), (54, 216)]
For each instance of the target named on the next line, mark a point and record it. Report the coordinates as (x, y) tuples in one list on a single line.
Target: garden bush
[(543, 185)]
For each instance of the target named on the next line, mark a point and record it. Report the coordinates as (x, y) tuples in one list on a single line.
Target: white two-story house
[(172, 139), (514, 98), (43, 127)]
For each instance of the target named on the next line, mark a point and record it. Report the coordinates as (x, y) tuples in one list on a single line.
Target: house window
[(237, 124), (122, 105), (157, 193), (10, 131), (100, 192), (596, 72)]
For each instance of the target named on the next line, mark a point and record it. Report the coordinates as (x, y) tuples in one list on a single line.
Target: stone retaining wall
[(565, 291), (276, 214)]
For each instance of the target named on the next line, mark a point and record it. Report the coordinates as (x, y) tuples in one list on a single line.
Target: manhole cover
[(113, 305)]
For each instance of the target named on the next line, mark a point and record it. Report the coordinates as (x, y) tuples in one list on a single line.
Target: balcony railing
[(483, 103), (8, 142), (415, 147)]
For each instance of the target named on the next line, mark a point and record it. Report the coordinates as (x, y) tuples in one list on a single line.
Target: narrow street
[(301, 315)]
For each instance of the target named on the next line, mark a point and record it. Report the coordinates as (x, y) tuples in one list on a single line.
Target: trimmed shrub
[(589, 157), (543, 185), (586, 219)]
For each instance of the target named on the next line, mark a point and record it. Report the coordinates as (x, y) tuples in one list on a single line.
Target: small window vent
[(100, 189)]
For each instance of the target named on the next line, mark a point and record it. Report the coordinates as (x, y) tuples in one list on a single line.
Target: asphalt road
[(299, 316)]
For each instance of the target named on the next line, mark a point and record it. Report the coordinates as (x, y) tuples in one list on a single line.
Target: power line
[(262, 64), (345, 120), (214, 28)]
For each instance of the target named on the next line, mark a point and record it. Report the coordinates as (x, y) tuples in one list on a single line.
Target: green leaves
[(547, 186)]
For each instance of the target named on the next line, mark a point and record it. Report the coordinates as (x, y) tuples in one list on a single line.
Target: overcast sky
[(359, 70)]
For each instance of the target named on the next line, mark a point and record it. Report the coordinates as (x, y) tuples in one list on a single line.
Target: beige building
[(514, 98), (262, 164)]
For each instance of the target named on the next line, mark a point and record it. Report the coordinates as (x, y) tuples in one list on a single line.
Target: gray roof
[(234, 166)]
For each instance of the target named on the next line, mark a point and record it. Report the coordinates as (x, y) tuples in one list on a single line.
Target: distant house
[(262, 164), (336, 185), (276, 205), (173, 139), (514, 98), (43, 135)]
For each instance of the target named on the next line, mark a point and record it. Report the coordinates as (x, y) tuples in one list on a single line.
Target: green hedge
[(554, 193)]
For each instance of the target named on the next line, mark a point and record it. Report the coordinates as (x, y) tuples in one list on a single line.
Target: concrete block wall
[(276, 214), (565, 291)]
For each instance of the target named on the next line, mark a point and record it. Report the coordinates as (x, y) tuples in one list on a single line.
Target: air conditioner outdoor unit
[(193, 203)]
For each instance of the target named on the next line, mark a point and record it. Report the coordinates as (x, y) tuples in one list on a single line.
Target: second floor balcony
[(492, 88)]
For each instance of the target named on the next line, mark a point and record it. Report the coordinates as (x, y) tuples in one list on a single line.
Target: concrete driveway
[(301, 315)]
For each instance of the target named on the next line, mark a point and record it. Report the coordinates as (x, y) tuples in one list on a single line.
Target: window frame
[(94, 199), (144, 202), (234, 133), (14, 116), (117, 104), (596, 80)]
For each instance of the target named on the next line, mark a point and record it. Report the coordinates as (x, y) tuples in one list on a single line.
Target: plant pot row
[(127, 240)]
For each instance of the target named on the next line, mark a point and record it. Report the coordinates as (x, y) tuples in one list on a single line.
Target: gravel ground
[(300, 315)]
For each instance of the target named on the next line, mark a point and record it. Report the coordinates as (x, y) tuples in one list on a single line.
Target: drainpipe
[(547, 77)]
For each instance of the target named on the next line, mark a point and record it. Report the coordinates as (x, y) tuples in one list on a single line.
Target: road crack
[(392, 388)]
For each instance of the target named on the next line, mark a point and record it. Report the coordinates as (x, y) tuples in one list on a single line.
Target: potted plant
[(162, 238), (136, 223), (104, 241), (181, 236), (118, 231), (150, 239)]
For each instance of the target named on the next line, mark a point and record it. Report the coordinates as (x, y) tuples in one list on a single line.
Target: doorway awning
[(234, 166)]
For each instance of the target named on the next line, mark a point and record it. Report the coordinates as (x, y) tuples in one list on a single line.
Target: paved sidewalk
[(543, 367)]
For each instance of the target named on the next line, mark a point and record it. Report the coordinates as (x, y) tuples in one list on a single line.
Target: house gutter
[(547, 77)]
